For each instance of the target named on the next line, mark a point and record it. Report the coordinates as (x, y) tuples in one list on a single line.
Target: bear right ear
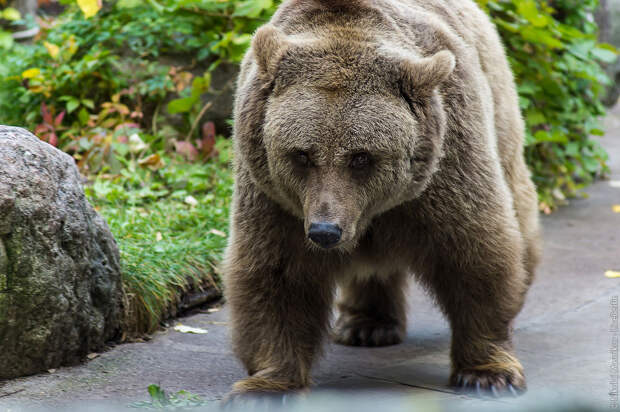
[(424, 75), (269, 45)]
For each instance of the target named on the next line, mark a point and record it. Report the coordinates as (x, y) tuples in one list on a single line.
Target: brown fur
[(424, 88)]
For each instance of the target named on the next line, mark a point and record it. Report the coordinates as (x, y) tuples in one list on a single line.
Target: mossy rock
[(61, 294)]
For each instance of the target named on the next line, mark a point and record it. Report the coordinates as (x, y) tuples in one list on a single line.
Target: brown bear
[(375, 139)]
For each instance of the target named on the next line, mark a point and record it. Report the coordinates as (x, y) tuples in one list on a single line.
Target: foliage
[(125, 69), (555, 57), (177, 401), (169, 218), (8, 16), (118, 61)]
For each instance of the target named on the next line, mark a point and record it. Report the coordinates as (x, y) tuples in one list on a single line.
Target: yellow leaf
[(52, 49), (73, 46), (153, 162), (616, 208), (37, 89), (31, 73), (612, 274), (89, 7)]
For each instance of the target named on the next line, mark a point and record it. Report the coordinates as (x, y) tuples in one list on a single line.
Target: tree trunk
[(602, 16), (27, 7)]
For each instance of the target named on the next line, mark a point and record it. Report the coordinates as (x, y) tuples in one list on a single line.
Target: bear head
[(350, 128)]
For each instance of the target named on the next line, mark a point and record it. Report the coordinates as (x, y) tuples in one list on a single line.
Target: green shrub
[(8, 17), (114, 69), (555, 58)]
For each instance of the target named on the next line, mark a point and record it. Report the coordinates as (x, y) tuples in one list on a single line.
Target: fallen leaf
[(616, 208), (158, 237), (612, 274), (189, 329), (191, 200), (92, 356), (217, 232), (153, 162)]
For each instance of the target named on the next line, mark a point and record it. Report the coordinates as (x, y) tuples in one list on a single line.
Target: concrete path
[(562, 337)]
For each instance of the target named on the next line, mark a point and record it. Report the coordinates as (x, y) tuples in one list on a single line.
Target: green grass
[(169, 243)]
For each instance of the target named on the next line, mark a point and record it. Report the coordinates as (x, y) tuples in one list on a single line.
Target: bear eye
[(360, 161), (302, 159)]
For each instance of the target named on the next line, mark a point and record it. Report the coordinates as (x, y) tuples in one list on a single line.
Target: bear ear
[(269, 45), (424, 75)]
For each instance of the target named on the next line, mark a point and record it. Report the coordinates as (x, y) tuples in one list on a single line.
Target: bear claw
[(490, 384), (357, 332)]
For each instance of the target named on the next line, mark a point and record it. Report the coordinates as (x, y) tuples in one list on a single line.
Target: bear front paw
[(490, 380), (354, 331), (262, 393), (262, 384)]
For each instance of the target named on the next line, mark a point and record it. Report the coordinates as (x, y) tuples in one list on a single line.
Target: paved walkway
[(562, 336)]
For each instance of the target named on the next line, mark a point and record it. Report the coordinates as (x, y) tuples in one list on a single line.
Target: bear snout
[(324, 234)]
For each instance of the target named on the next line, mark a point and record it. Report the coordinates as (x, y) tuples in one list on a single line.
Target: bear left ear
[(269, 45), (424, 75)]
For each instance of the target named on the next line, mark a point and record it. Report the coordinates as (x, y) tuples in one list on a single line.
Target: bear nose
[(325, 234)]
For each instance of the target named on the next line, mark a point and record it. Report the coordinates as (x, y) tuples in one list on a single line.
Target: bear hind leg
[(372, 311), (526, 207)]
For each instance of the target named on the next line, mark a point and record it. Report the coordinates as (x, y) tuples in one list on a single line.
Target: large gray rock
[(60, 285)]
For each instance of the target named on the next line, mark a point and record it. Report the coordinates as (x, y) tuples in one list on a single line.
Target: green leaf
[(6, 40), (10, 14), (572, 149), (181, 105), (83, 116), (535, 118), (72, 104), (539, 36), (591, 165), (604, 55), (545, 136), (529, 10), (200, 85), (252, 8), (157, 394), (89, 103), (129, 4)]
